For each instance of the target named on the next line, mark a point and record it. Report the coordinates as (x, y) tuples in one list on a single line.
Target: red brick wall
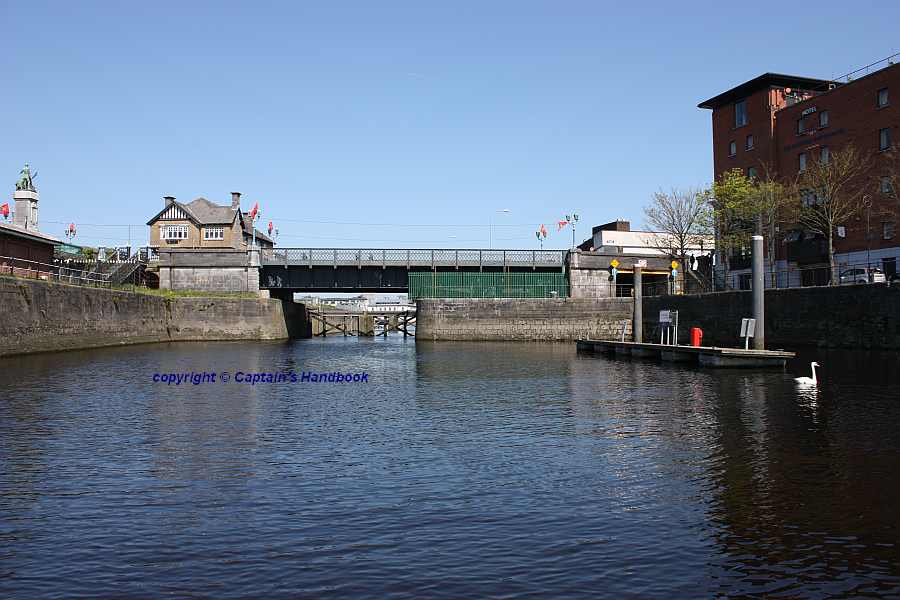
[(852, 118)]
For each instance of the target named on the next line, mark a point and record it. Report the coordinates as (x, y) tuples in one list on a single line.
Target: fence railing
[(394, 257), (519, 285), (30, 269), (854, 273)]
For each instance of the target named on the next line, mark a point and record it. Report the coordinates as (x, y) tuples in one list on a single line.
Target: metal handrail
[(61, 273), (415, 257)]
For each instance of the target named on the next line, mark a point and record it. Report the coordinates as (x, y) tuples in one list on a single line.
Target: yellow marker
[(614, 263), (674, 264)]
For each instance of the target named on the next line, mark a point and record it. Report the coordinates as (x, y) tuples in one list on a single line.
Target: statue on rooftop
[(26, 182)]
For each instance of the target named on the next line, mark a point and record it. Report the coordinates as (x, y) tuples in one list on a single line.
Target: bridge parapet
[(409, 258)]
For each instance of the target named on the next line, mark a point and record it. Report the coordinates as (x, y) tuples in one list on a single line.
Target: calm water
[(460, 471)]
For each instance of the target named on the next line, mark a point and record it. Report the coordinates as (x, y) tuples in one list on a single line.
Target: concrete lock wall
[(543, 319), (851, 316), (40, 316)]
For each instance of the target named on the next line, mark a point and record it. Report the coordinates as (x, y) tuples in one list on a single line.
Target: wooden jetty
[(706, 356)]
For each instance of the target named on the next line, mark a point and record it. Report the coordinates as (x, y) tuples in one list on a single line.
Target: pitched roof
[(206, 213), (17, 231)]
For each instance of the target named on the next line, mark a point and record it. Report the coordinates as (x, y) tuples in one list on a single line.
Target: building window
[(751, 172), (882, 98), (740, 113), (801, 126), (824, 155), (802, 159), (884, 138), (886, 186), (823, 118), (213, 233), (749, 142), (887, 229), (732, 148), (174, 232)]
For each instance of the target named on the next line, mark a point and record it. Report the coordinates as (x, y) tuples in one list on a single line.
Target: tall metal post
[(759, 294), (637, 321)]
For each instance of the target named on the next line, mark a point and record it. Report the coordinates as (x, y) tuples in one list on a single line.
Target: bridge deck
[(413, 258)]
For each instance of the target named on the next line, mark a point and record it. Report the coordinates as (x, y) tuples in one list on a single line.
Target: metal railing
[(846, 273), (409, 258), (29, 269)]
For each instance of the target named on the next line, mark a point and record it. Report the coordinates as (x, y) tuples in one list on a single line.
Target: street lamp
[(491, 221)]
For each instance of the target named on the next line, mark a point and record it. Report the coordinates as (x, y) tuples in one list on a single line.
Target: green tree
[(831, 192), (729, 198)]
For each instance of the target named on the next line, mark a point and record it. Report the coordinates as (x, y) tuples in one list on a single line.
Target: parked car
[(894, 279), (862, 275)]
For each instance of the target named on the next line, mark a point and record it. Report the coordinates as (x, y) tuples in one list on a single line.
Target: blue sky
[(390, 124)]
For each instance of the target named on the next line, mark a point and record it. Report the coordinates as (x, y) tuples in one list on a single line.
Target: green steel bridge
[(419, 272)]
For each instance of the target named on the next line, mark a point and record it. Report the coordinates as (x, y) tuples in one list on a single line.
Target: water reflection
[(462, 470)]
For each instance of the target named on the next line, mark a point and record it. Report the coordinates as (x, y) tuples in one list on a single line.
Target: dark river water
[(460, 470)]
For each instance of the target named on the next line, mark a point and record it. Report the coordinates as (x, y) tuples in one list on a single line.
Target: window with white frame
[(213, 233), (174, 232), (749, 145), (823, 118), (882, 99), (824, 155), (802, 161), (732, 148), (887, 187), (887, 229)]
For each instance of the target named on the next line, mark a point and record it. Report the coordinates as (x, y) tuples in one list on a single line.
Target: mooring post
[(637, 321), (759, 294)]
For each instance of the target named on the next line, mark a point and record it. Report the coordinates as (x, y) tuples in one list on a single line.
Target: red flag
[(271, 227), (4, 210), (561, 224), (543, 230), (254, 211), (72, 227)]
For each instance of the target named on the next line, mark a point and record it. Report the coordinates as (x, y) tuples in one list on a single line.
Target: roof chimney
[(235, 199), (170, 200)]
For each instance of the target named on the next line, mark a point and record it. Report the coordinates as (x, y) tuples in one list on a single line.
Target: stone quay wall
[(545, 319), (849, 316), (41, 317), (214, 270)]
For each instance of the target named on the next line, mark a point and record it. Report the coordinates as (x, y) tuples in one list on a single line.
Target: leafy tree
[(729, 198), (831, 192)]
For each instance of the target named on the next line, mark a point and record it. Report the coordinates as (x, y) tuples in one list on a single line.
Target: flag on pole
[(561, 224), (254, 212), (4, 210), (543, 230), (271, 227)]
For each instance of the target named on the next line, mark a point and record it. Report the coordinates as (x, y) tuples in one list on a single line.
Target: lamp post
[(491, 221), (868, 204), (573, 219)]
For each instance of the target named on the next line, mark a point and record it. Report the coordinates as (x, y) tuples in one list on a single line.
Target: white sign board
[(748, 328), (641, 263), (665, 316)]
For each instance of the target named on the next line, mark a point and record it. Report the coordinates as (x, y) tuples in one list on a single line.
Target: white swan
[(809, 380)]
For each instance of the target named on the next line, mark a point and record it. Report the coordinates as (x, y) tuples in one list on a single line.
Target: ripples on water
[(461, 471)]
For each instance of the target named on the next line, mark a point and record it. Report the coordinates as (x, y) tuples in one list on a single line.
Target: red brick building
[(780, 121)]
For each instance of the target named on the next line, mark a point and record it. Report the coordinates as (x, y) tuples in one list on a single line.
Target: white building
[(618, 238)]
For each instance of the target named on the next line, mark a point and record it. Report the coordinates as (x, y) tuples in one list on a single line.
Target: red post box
[(696, 336)]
